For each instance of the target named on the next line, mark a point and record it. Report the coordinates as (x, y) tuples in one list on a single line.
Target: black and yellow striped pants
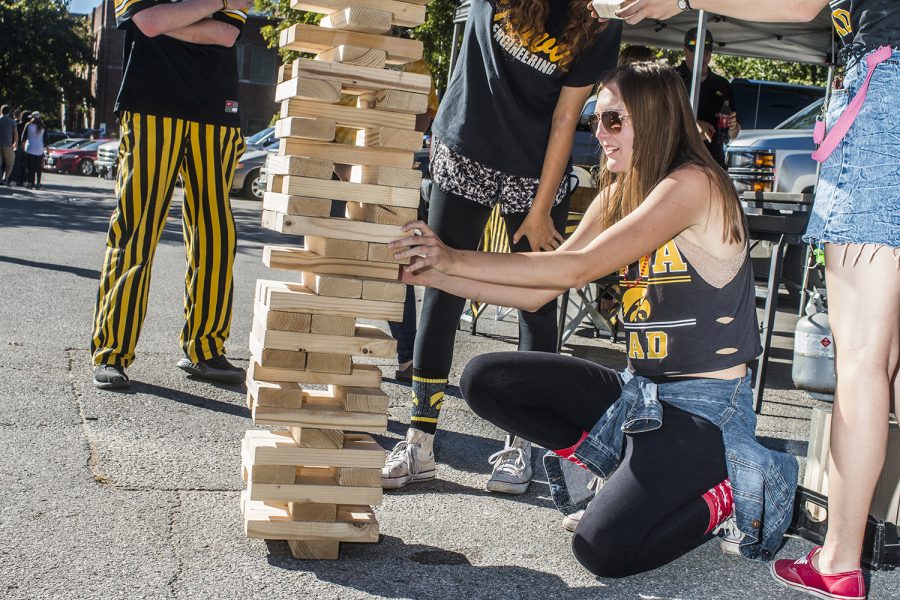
[(152, 153)]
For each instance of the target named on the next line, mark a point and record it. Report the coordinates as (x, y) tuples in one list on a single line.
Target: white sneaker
[(512, 467), (570, 522), (731, 537), (411, 460)]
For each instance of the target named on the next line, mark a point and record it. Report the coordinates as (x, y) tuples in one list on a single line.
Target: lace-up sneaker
[(570, 522), (803, 576), (731, 537), (215, 369), (110, 377), (512, 467), (411, 460)]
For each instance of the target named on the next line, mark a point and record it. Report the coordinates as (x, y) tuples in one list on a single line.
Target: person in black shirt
[(178, 112), (714, 92), (502, 136)]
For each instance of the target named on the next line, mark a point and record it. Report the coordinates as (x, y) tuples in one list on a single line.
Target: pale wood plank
[(306, 128), (381, 214), (384, 290), (367, 340), (405, 14), (388, 137), (295, 258), (310, 550), (333, 285), (353, 79), (360, 376), (273, 394), (350, 192), (390, 176), (293, 204), (279, 359), (383, 254), (359, 399), (278, 448), (299, 166), (359, 477), (308, 511), (335, 228), (355, 55), (347, 116), (321, 362), (315, 89), (334, 248), (333, 325), (280, 320), (359, 18), (402, 101), (311, 437), (320, 416), (274, 522), (303, 37), (289, 296), (346, 154)]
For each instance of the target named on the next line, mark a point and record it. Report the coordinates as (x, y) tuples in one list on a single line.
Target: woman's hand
[(425, 248), (540, 231), (590, 7), (635, 11)]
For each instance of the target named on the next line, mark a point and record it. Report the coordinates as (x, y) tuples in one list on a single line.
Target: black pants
[(35, 168), (459, 222), (650, 511)]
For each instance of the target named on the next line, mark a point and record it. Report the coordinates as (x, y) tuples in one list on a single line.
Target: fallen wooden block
[(303, 206), (266, 521), (355, 55), (358, 18), (288, 296), (390, 176), (295, 258), (312, 38), (278, 448), (405, 14), (394, 100), (347, 116), (380, 214), (346, 154), (360, 376), (350, 192), (299, 166), (335, 228)]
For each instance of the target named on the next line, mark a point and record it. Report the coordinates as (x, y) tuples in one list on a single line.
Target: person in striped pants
[(178, 113)]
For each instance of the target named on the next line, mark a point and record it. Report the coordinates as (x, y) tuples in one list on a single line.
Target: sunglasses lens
[(611, 120)]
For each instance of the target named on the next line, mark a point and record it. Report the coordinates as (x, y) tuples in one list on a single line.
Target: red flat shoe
[(801, 575)]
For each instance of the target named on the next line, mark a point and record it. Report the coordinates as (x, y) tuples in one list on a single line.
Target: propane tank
[(813, 368)]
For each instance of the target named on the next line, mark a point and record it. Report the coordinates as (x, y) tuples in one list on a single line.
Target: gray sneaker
[(411, 460), (512, 467), (215, 369), (570, 522), (731, 537), (110, 377)]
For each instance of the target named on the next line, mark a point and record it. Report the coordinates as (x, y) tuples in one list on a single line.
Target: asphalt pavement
[(135, 495)]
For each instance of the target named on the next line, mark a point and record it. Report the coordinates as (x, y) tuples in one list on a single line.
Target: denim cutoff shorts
[(858, 195)]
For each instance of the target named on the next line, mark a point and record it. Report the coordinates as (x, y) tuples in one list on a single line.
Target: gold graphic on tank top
[(841, 19)]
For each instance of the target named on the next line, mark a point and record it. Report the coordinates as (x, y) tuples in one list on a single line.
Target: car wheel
[(254, 189), (86, 167)]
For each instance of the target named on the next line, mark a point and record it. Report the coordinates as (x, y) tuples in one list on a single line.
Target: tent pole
[(697, 70), (455, 43)]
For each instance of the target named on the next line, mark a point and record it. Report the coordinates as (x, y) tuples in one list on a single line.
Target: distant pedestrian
[(7, 144), (33, 138), (18, 174)]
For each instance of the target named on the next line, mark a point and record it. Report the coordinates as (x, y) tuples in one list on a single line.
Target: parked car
[(107, 162), (765, 104), (247, 179), (80, 159), (67, 143), (262, 140)]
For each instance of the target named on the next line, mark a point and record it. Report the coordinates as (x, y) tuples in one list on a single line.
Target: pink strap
[(830, 142)]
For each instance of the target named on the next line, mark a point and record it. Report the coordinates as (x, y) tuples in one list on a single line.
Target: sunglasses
[(611, 120), (692, 46)]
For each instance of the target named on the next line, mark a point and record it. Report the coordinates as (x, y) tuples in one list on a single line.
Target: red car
[(79, 159)]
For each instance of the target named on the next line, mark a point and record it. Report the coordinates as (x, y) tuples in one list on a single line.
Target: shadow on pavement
[(453, 571), (78, 271), (189, 399)]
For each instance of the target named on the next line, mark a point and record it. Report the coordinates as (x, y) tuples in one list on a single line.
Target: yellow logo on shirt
[(841, 19), (539, 51)]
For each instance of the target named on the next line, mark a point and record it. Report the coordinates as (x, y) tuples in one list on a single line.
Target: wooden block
[(288, 296), (299, 166), (346, 154), (276, 395), (296, 205), (360, 376), (347, 116), (306, 128), (388, 291), (405, 14), (358, 18), (350, 192), (390, 176), (367, 340), (359, 477), (317, 89), (310, 437), (378, 213), (320, 415), (353, 79), (272, 521), (321, 362), (388, 137), (295, 258), (395, 100), (276, 474), (310, 550), (284, 72), (302, 37), (334, 248), (355, 55), (381, 253), (333, 285), (335, 228), (333, 325), (279, 359), (357, 399), (274, 183), (278, 448), (308, 511), (281, 321), (318, 491)]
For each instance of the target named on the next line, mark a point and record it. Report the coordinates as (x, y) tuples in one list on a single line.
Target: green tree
[(43, 52)]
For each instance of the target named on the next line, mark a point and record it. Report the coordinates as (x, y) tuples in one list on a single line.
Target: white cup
[(606, 9)]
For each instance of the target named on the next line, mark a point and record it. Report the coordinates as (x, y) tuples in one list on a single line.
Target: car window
[(259, 136), (92, 144), (82, 144), (805, 119), (584, 122)]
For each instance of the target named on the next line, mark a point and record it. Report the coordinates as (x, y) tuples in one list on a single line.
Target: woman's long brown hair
[(665, 138), (529, 17)]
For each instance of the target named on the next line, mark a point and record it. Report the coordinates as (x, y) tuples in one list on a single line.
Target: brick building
[(258, 66)]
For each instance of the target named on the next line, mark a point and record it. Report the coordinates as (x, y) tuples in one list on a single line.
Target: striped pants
[(153, 152)]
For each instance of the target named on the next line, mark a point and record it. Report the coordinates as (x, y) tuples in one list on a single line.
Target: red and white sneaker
[(801, 575)]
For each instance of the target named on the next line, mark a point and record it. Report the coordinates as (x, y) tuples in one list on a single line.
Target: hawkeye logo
[(841, 19), (541, 52)]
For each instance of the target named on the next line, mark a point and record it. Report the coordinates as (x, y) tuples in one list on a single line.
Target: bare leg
[(864, 313)]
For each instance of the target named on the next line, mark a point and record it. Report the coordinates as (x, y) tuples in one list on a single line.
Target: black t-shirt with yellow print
[(866, 24), (170, 78), (498, 107)]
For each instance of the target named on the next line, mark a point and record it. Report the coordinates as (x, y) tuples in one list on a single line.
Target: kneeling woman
[(674, 433)]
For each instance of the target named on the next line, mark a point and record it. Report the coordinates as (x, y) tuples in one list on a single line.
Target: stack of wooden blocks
[(314, 483)]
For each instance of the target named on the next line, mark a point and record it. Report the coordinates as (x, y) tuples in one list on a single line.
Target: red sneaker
[(801, 575)]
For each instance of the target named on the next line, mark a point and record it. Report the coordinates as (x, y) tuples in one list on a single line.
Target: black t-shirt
[(501, 97), (714, 91), (170, 78), (866, 24)]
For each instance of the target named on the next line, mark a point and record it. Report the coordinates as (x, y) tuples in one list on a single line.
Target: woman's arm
[(680, 201), (765, 11), (207, 31), (165, 18), (528, 299), (538, 225)]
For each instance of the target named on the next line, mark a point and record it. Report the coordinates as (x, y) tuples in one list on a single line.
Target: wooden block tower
[(313, 484)]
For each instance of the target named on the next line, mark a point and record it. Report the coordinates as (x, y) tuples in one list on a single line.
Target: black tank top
[(678, 323)]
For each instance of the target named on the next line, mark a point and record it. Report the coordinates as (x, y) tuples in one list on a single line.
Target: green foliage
[(770, 70), (43, 52), (284, 17)]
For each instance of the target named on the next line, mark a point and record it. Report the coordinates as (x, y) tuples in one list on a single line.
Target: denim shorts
[(858, 195)]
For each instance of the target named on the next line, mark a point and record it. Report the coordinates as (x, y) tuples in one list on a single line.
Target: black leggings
[(34, 167), (459, 222), (650, 511)]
